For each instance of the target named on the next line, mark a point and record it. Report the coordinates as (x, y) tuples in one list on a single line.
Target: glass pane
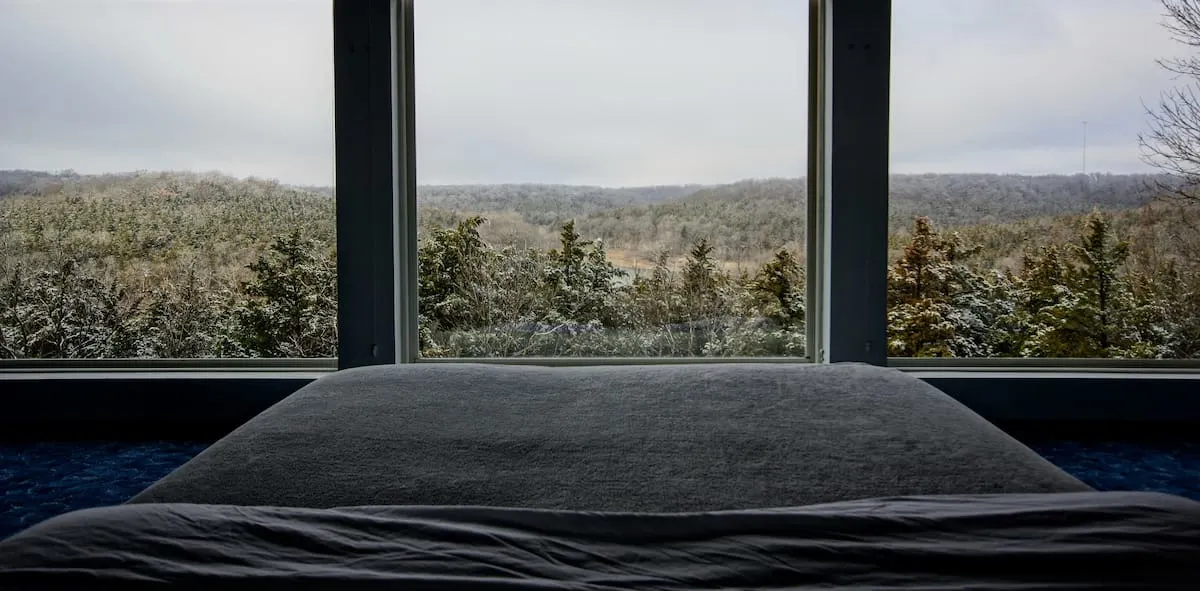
[(1028, 217), (167, 179), (618, 178)]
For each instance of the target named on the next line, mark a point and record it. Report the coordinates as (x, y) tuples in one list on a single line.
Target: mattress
[(674, 438), (1019, 542)]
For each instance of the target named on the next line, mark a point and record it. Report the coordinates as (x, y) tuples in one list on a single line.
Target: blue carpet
[(1170, 467), (41, 480)]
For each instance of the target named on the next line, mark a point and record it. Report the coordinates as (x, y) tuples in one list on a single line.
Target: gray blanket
[(1026, 541), (620, 438)]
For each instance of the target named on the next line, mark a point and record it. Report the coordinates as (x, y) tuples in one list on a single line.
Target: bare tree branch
[(1171, 142)]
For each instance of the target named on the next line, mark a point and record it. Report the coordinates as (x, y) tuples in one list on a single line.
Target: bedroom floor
[(41, 480)]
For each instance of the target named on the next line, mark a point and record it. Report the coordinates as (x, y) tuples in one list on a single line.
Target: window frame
[(376, 220), (816, 240), (369, 183)]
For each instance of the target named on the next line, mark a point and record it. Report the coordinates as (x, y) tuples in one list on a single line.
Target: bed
[(1085, 540), (748, 476), (609, 438)]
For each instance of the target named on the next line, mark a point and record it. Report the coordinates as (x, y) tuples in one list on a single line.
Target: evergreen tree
[(917, 317), (292, 306), (778, 289), (1080, 309), (918, 274), (655, 299), (181, 320), (569, 258), (701, 281), (581, 282), (1044, 276), (66, 312), (938, 305), (920, 328), (452, 269), (1106, 294), (1163, 321)]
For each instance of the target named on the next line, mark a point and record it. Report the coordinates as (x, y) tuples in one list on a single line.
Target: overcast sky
[(609, 92)]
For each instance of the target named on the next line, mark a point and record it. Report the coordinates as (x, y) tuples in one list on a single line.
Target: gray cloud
[(244, 87), (576, 91), (1006, 85), (615, 92)]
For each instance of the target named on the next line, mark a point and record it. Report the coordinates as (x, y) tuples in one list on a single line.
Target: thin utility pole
[(1085, 148)]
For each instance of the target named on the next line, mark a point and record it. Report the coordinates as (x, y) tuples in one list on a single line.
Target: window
[(615, 179), (377, 319), (168, 191), (1025, 217)]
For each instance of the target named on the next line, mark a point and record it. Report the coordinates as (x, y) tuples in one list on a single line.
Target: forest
[(194, 265)]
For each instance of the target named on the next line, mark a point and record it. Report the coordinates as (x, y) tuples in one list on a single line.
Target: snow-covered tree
[(937, 306), (291, 309)]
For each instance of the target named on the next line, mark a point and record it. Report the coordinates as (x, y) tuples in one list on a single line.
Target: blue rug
[(41, 480), (1170, 467)]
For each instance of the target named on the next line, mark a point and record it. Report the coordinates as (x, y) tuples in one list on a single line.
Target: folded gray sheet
[(1018, 542), (640, 438)]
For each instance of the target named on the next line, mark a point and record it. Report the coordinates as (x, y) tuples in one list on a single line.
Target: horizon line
[(70, 171)]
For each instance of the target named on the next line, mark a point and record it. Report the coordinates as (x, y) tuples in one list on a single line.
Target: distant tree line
[(193, 265)]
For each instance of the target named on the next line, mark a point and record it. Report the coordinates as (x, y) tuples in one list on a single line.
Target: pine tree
[(580, 282), (701, 281), (917, 275), (1080, 309), (292, 305), (918, 312), (180, 320), (1044, 275), (452, 269), (67, 312), (778, 288), (1163, 320), (654, 299), (938, 306)]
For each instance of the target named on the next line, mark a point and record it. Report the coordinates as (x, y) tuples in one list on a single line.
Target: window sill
[(1046, 365), (165, 365)]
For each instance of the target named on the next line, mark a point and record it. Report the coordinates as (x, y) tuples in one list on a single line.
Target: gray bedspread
[(617, 438), (1026, 541)]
